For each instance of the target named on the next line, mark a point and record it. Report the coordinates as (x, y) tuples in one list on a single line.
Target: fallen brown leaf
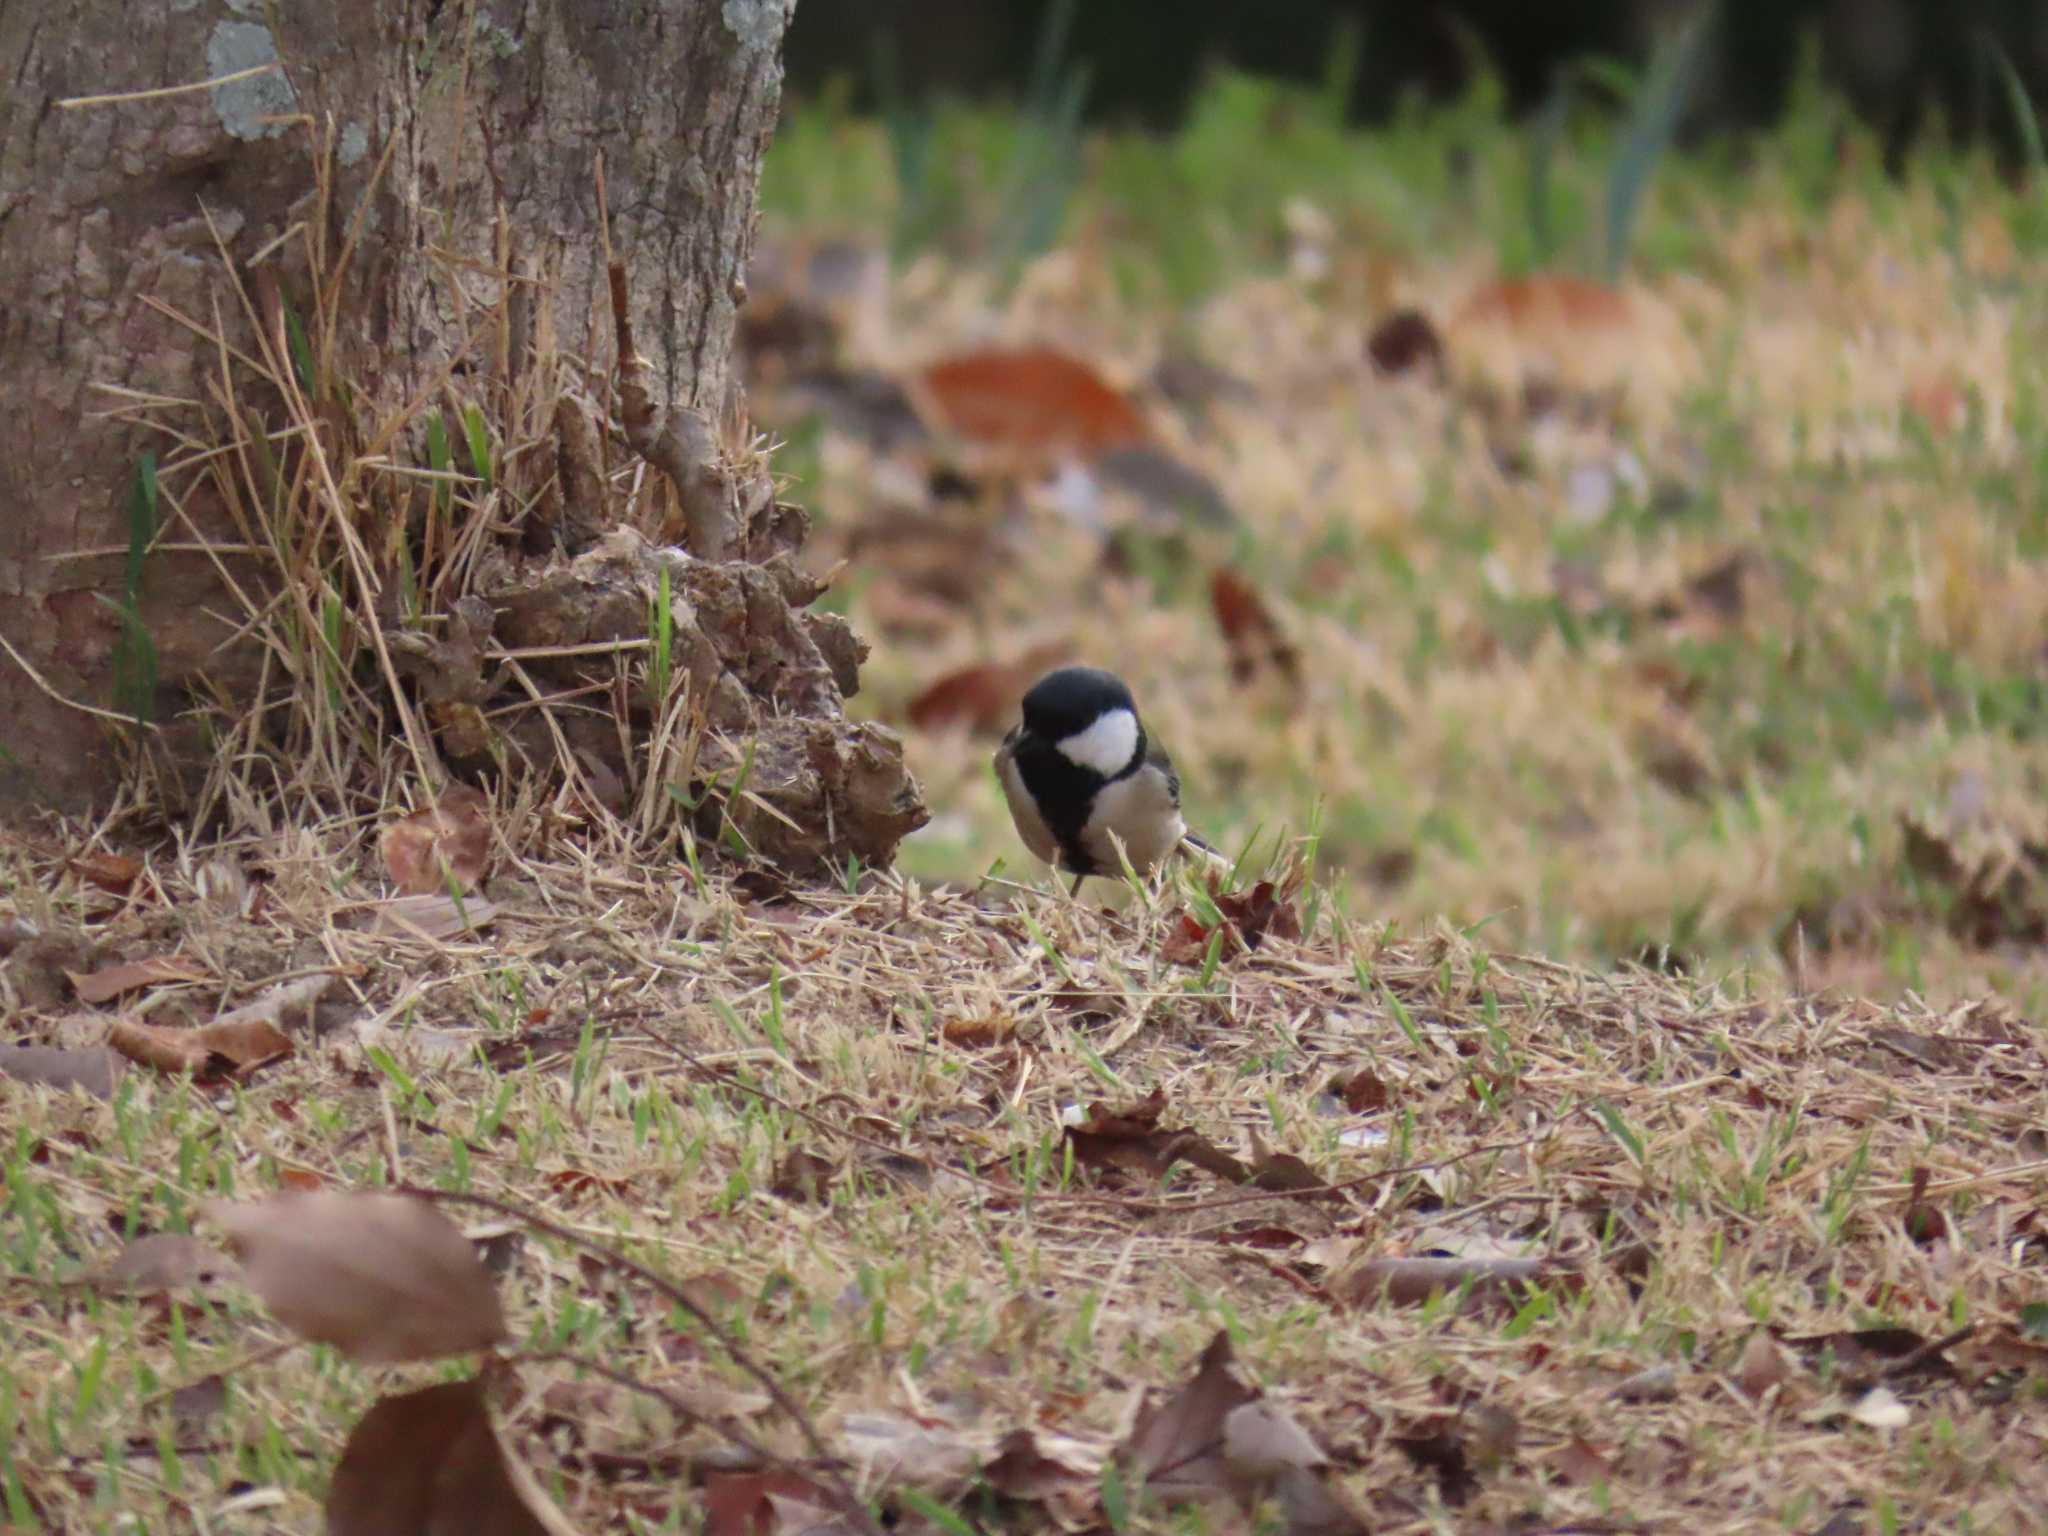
[(1264, 910), (448, 840), (979, 1034), (1761, 1367), (1281, 1171), (762, 1504), (1250, 632), (982, 697), (166, 1048), (381, 1277), (1028, 1465), (1188, 944), (247, 1043), (1176, 1444), (715, 1291), (1030, 399), (110, 981), (1220, 1435), (239, 1047), (1131, 1138), (1363, 1092), (113, 873), (431, 1461), (429, 917), (1576, 1461), (1405, 340), (1438, 1446), (192, 1405), (1864, 1355), (804, 1175)]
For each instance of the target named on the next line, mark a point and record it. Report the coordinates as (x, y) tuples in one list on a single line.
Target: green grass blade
[(479, 436), (1674, 72), (2024, 119), (1545, 134), (302, 353)]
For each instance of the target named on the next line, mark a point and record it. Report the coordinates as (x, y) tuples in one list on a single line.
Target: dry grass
[(640, 1059), (1842, 388), (1789, 1246)]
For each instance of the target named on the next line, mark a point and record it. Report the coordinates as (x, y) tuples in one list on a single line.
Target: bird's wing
[(1155, 756), (1024, 813)]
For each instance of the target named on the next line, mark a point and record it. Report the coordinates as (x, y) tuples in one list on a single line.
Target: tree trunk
[(463, 140)]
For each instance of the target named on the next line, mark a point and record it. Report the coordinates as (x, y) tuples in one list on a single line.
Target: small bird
[(1080, 768)]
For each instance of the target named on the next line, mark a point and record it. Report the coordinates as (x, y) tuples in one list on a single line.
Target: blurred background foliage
[(1589, 463), (1905, 66)]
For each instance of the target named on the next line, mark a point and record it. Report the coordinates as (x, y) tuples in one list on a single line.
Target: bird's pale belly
[(1140, 810)]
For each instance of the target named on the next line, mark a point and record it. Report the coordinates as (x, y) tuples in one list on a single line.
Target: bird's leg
[(1074, 891)]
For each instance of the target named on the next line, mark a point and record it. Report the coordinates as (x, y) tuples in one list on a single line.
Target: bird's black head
[(1065, 703)]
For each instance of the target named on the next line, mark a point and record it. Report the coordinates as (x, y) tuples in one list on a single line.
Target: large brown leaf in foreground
[(1565, 330), (237, 1046), (383, 1278), (446, 843), (1031, 400), (1220, 1435), (429, 1463)]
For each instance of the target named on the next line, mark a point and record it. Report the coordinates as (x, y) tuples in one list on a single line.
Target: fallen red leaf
[(1250, 915), (982, 697), (1547, 302), (1262, 910), (1188, 944), (576, 1181), (1032, 399), (1250, 631), (979, 1034), (113, 873), (1938, 400)]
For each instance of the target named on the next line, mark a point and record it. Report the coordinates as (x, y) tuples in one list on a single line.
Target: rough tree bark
[(492, 114)]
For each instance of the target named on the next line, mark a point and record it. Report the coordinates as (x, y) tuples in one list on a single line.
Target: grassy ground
[(838, 1120), (1785, 1247), (1516, 709)]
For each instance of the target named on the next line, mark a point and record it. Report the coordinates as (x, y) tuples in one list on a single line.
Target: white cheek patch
[(1107, 746)]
